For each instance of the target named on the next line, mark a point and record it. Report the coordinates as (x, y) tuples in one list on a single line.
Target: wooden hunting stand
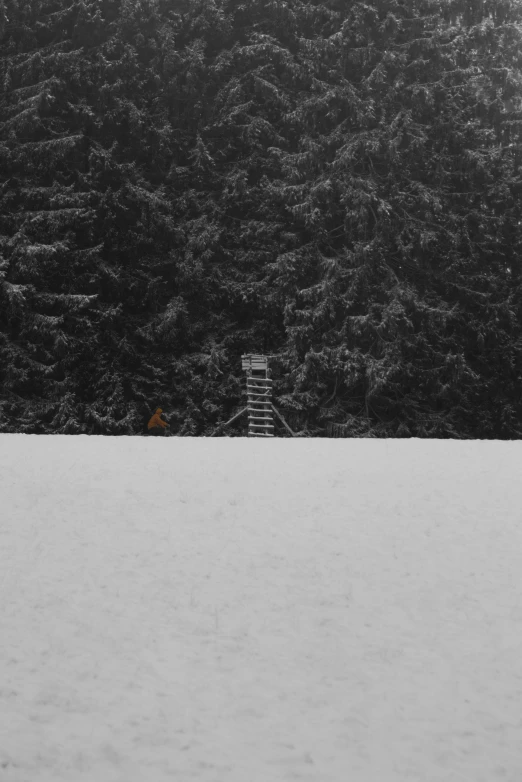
[(259, 393)]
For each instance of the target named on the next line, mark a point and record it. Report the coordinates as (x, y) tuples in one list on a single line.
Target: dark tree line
[(337, 183)]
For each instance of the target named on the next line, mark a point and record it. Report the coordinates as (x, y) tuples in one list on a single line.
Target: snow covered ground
[(234, 610)]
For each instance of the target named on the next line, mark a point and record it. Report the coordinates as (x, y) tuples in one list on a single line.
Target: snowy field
[(234, 610)]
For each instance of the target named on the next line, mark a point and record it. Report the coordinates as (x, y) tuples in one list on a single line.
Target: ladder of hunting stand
[(259, 392)]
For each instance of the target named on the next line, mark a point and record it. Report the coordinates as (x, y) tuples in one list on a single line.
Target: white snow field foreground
[(242, 610)]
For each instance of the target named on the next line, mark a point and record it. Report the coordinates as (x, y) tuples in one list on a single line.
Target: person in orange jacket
[(156, 424)]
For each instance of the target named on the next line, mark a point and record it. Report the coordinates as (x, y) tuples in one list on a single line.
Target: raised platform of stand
[(254, 362)]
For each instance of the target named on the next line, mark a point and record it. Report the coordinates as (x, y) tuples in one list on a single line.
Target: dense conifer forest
[(334, 183)]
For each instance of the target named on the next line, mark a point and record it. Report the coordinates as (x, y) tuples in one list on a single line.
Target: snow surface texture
[(234, 610)]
